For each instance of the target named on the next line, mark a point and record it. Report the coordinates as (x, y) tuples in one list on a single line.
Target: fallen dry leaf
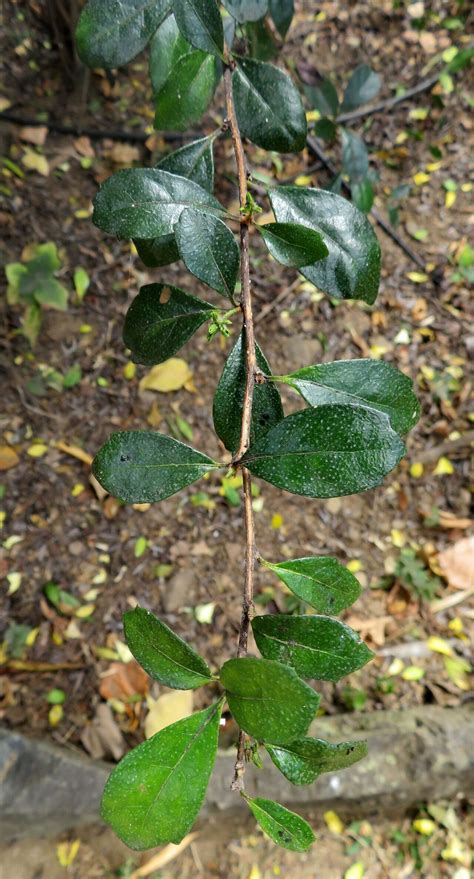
[(8, 458), (34, 161), (457, 564), (123, 680), (169, 376), (167, 709), (34, 134), (123, 154), (160, 860), (102, 737), (84, 147), (75, 452), (373, 628)]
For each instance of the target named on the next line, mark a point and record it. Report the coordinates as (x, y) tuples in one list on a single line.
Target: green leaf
[(155, 793), (331, 452), (160, 320), (293, 245), (282, 12), (315, 646), (326, 129), (34, 281), (246, 10), (286, 828), (267, 409), (187, 92), (31, 323), (200, 23), (51, 293), (352, 269), (362, 194), (155, 252), (208, 250), (166, 48), (81, 282), (268, 107), (261, 44), (110, 32), (163, 655), (147, 202), (320, 581), (142, 466), (369, 383), (301, 762), (195, 161), (363, 85), (355, 158), (267, 699), (323, 98)]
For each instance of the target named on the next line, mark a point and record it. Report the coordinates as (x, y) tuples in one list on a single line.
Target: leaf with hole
[(320, 581), (228, 403), (315, 646), (110, 34), (282, 12), (293, 245), (352, 269), (246, 10), (331, 452), (200, 23), (267, 699), (372, 384), (302, 761), (195, 161), (268, 107), (147, 202), (208, 250), (363, 85), (160, 321), (286, 828), (155, 793), (141, 466), (163, 655)]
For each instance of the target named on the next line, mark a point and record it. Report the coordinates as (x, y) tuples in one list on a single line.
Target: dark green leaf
[(321, 581), (323, 98), (200, 23), (156, 252), (315, 646), (187, 92), (352, 269), (208, 250), (228, 401), (331, 452), (293, 245), (155, 793), (163, 655), (268, 107), (267, 699), (142, 466), (370, 383), (147, 202), (195, 161), (363, 195), (261, 44), (160, 320), (363, 85), (110, 32), (282, 826), (301, 762), (326, 129), (247, 10), (282, 12), (355, 158), (461, 60), (166, 48)]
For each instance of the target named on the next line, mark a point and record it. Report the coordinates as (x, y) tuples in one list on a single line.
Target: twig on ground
[(435, 452)]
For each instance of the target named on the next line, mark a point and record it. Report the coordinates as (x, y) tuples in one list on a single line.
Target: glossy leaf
[(163, 655), (195, 161), (268, 107), (320, 581), (159, 251), (352, 269), (293, 245), (160, 320), (142, 466), (208, 250), (187, 92), (267, 409), (315, 646), (166, 48), (334, 451), (326, 129), (286, 828), (363, 195), (261, 44), (355, 158), (363, 85), (282, 12), (200, 23), (110, 33), (369, 383), (147, 202), (323, 98), (246, 10), (155, 793), (301, 762), (267, 699)]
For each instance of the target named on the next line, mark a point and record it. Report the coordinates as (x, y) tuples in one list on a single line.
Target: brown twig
[(250, 373), (417, 89), (435, 452)]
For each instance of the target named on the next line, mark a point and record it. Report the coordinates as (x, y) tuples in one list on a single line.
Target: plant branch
[(250, 373)]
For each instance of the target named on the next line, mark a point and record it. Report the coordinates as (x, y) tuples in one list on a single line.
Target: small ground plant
[(345, 441)]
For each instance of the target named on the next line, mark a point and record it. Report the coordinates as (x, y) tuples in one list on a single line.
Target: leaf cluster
[(33, 284)]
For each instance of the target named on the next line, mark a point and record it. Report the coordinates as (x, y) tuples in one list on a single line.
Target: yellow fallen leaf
[(398, 538), (77, 489), (378, 351), (457, 670), (434, 166), (417, 277), (417, 470), (456, 850), (396, 667), (8, 458), (67, 852), (355, 871), (3, 516), (85, 611), (37, 450), (34, 161), (421, 178), (277, 521), (424, 826), (401, 137), (443, 467), (354, 566), (169, 376), (439, 645), (313, 115), (456, 625), (419, 113), (413, 673), (167, 709), (14, 582), (4, 104), (55, 715), (255, 873), (450, 199), (129, 371), (466, 187), (333, 822), (31, 637), (303, 180)]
